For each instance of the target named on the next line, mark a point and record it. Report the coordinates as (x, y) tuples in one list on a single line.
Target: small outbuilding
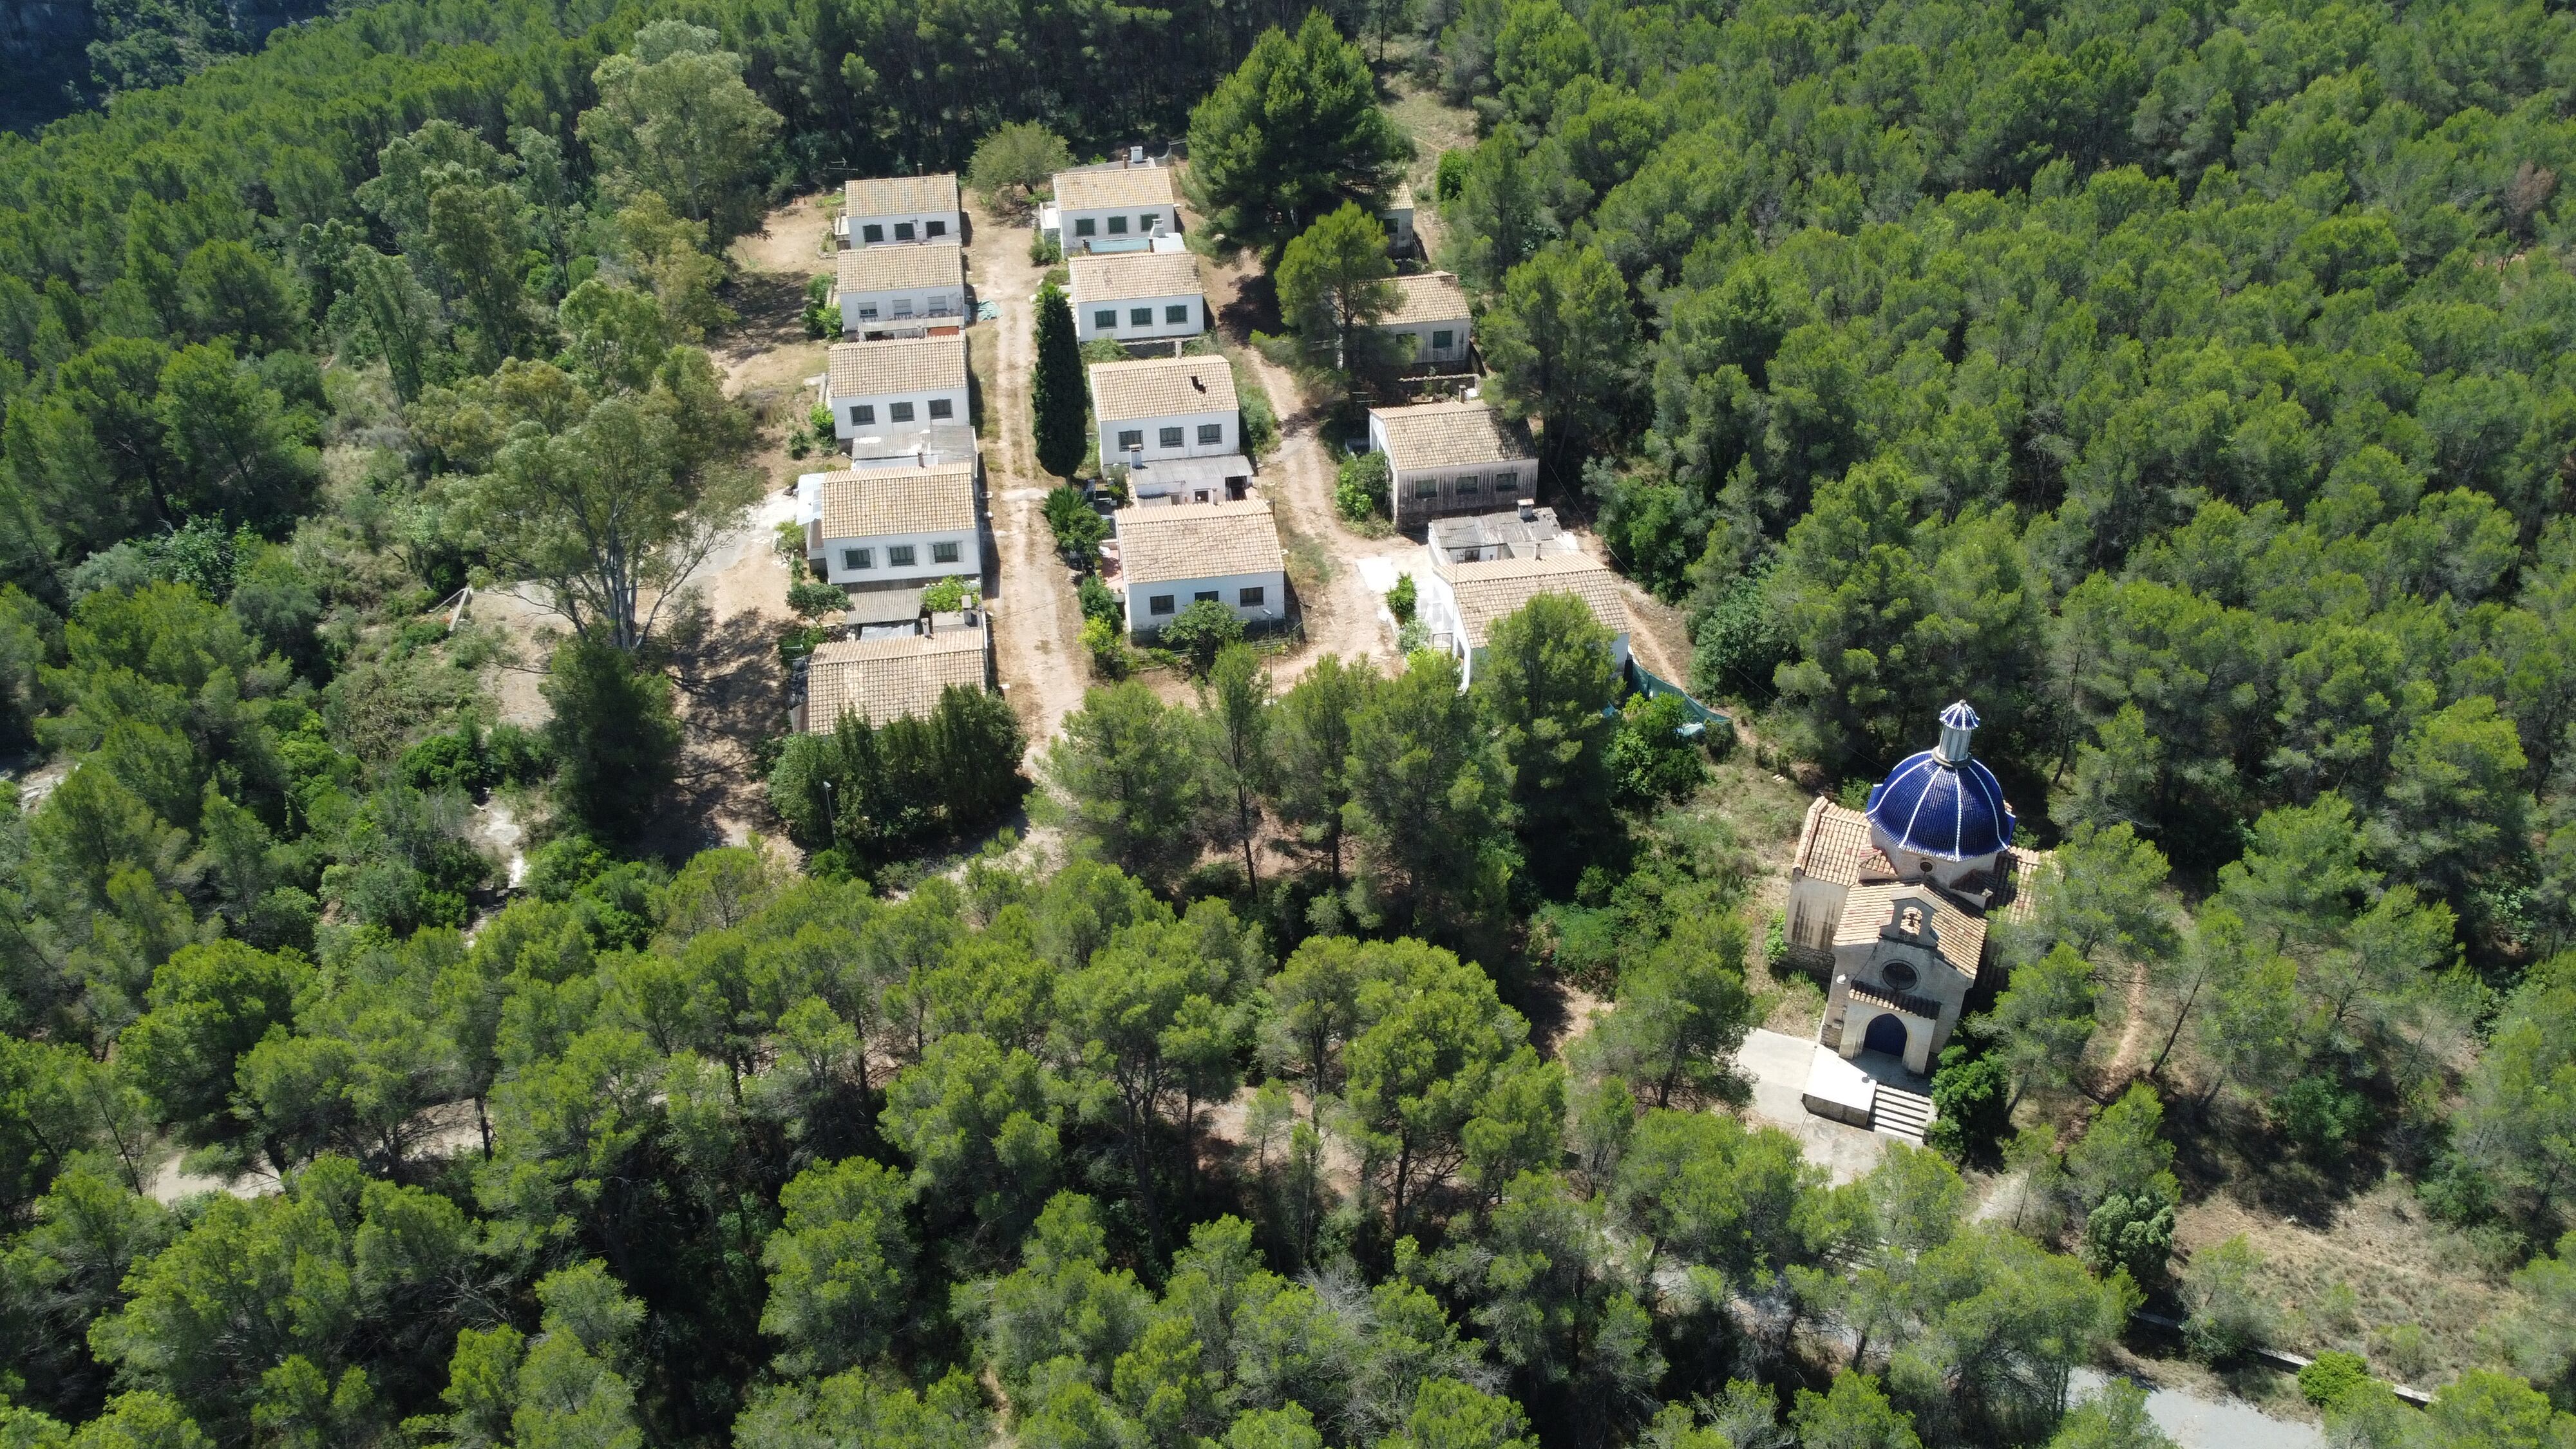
[(884, 210), (893, 291), (1173, 556), (1137, 296), (898, 386)]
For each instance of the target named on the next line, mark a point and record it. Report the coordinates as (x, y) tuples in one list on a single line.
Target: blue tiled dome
[(1943, 802)]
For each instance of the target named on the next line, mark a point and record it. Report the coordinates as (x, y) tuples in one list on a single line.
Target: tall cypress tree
[(1056, 396)]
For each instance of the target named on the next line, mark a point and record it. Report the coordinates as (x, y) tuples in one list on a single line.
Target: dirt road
[(1037, 622), (1343, 594)]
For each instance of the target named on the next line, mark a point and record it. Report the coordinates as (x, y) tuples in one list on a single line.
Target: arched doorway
[(1886, 1034)]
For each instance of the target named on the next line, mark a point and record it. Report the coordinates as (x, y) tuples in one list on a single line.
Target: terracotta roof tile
[(887, 269), (1117, 276), (894, 195), (872, 502), (1869, 908), (1834, 845), (884, 679), (1487, 592), (1112, 186), (1426, 297), (1161, 387), (1448, 435), (1160, 543), (915, 364)]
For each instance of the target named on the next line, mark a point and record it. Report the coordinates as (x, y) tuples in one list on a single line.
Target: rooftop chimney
[(1529, 510), (1135, 155), (1136, 456)]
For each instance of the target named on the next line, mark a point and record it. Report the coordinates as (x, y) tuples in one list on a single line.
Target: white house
[(893, 291), (1166, 407), (1449, 457), (1116, 208), (1174, 556), (1137, 296), (1430, 319), (890, 209), (1397, 218), (887, 528), (1470, 585), (876, 389), (885, 678)]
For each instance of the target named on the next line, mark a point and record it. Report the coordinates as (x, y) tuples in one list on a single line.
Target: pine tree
[(1056, 397)]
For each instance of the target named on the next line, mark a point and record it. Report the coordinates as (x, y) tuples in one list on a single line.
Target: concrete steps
[(1895, 1112)]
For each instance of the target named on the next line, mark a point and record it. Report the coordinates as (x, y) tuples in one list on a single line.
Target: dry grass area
[(2376, 1277), (1435, 126)]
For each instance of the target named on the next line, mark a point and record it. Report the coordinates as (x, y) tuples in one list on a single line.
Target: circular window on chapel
[(1898, 976)]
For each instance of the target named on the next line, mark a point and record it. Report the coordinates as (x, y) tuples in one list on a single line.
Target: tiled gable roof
[(1161, 543), (1161, 387), (1114, 186), (913, 364), (888, 269), (1487, 592), (1118, 276), (1448, 435), (885, 679), (1426, 297), (873, 502), (896, 195)]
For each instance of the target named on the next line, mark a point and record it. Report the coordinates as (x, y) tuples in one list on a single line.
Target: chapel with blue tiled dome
[(1890, 904), (1942, 803)]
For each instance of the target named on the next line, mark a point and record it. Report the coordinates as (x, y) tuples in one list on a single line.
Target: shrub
[(1044, 250), (810, 600), (445, 762), (1107, 645), (2133, 1231), (2333, 1375), (517, 756), (1200, 631), (1100, 602), (1360, 490), (2228, 1314), (822, 316), (2319, 1114), (1971, 1095), (1078, 529), (1402, 599), (945, 597), (1650, 759)]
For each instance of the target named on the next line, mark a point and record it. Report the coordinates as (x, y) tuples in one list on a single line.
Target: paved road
[(2198, 1423)]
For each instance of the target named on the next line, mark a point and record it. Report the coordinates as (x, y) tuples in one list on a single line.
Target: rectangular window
[(1467, 483), (900, 556), (1177, 314), (943, 552), (1082, 226), (1140, 316), (1506, 481), (903, 306), (903, 231), (1204, 596), (1248, 598), (873, 231), (1131, 437), (941, 407), (936, 228), (1106, 319), (858, 558), (1147, 222), (1442, 341), (1159, 604), (1211, 433), (1426, 488), (868, 312), (863, 414), (901, 412), (1117, 226), (1168, 438)]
